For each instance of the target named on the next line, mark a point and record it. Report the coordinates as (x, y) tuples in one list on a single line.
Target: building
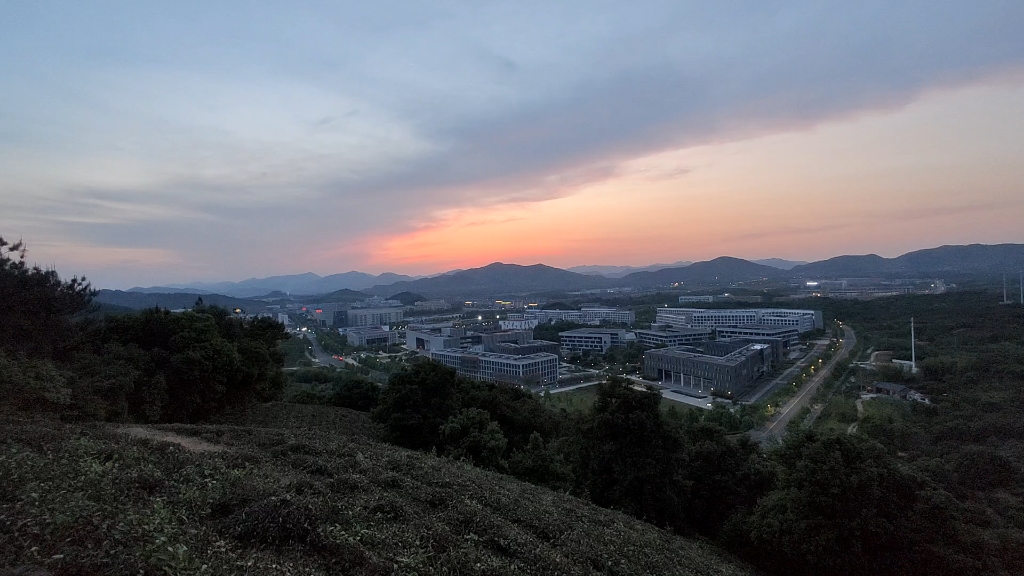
[(488, 340), (518, 324), (359, 317), (431, 305), (724, 367), (426, 339), (689, 299), (802, 320), (284, 319), (546, 316), (593, 339), (788, 334), (371, 336), (377, 302), (664, 335), (529, 370), (598, 314), (530, 347)]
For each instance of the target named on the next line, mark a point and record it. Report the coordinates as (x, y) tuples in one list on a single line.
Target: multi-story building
[(431, 305), (599, 314), (371, 336), (593, 339), (529, 370), (688, 299), (530, 347), (426, 339), (725, 367), (284, 319), (373, 317), (544, 316), (802, 320), (664, 335), (488, 340), (788, 334), (518, 324)]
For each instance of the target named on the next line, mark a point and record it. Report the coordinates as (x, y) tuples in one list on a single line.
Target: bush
[(357, 394)]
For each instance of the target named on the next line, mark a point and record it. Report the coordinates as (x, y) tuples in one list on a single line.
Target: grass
[(298, 489)]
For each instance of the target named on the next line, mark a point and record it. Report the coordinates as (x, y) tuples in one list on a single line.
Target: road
[(787, 376), (776, 427)]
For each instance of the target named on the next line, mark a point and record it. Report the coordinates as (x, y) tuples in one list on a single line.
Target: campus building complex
[(371, 336), (724, 367), (593, 339), (529, 370), (372, 316), (788, 334), (802, 320), (664, 335)]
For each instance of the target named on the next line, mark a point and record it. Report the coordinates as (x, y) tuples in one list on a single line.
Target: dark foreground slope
[(296, 490)]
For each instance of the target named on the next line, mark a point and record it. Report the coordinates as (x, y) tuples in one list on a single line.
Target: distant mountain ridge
[(297, 284), (498, 279), (950, 259), (620, 271), (723, 270)]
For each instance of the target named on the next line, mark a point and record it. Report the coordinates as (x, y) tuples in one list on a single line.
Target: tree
[(38, 310), (471, 435), (627, 458), (415, 403)]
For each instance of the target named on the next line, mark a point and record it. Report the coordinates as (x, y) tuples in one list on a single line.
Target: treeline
[(150, 366), (817, 504)]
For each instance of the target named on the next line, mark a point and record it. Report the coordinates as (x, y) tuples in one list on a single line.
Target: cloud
[(323, 126)]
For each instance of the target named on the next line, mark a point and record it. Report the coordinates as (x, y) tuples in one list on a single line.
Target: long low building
[(372, 336), (728, 368), (668, 336), (528, 370), (802, 320), (788, 334), (594, 339), (530, 347)]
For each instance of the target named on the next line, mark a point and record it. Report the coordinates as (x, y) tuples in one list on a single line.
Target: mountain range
[(297, 284), (499, 279)]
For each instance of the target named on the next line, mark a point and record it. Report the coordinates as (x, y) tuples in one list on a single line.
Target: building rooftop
[(496, 355), (730, 359)]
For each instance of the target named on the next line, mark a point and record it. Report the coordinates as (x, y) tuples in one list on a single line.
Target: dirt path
[(860, 414), (189, 443)]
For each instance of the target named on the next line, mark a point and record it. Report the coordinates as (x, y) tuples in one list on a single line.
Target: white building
[(284, 319), (687, 299), (529, 370), (371, 336), (802, 320), (594, 339), (518, 324), (545, 316), (373, 316), (596, 315)]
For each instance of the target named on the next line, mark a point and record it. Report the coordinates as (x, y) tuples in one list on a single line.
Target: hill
[(620, 271), (297, 490), (497, 279), (779, 263), (298, 284), (724, 270), (343, 295), (174, 301), (988, 259), (407, 298)]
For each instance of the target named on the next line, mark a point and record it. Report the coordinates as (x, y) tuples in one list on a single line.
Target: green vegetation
[(150, 366), (290, 489)]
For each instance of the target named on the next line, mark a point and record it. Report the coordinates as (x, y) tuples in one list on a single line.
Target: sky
[(146, 143)]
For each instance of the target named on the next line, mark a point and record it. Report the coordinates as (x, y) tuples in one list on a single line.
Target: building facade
[(660, 335), (371, 336), (592, 339), (530, 347), (802, 320), (597, 315), (529, 370), (710, 367), (359, 317), (788, 334)]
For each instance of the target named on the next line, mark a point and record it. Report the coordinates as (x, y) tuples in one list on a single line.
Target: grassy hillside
[(291, 489)]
